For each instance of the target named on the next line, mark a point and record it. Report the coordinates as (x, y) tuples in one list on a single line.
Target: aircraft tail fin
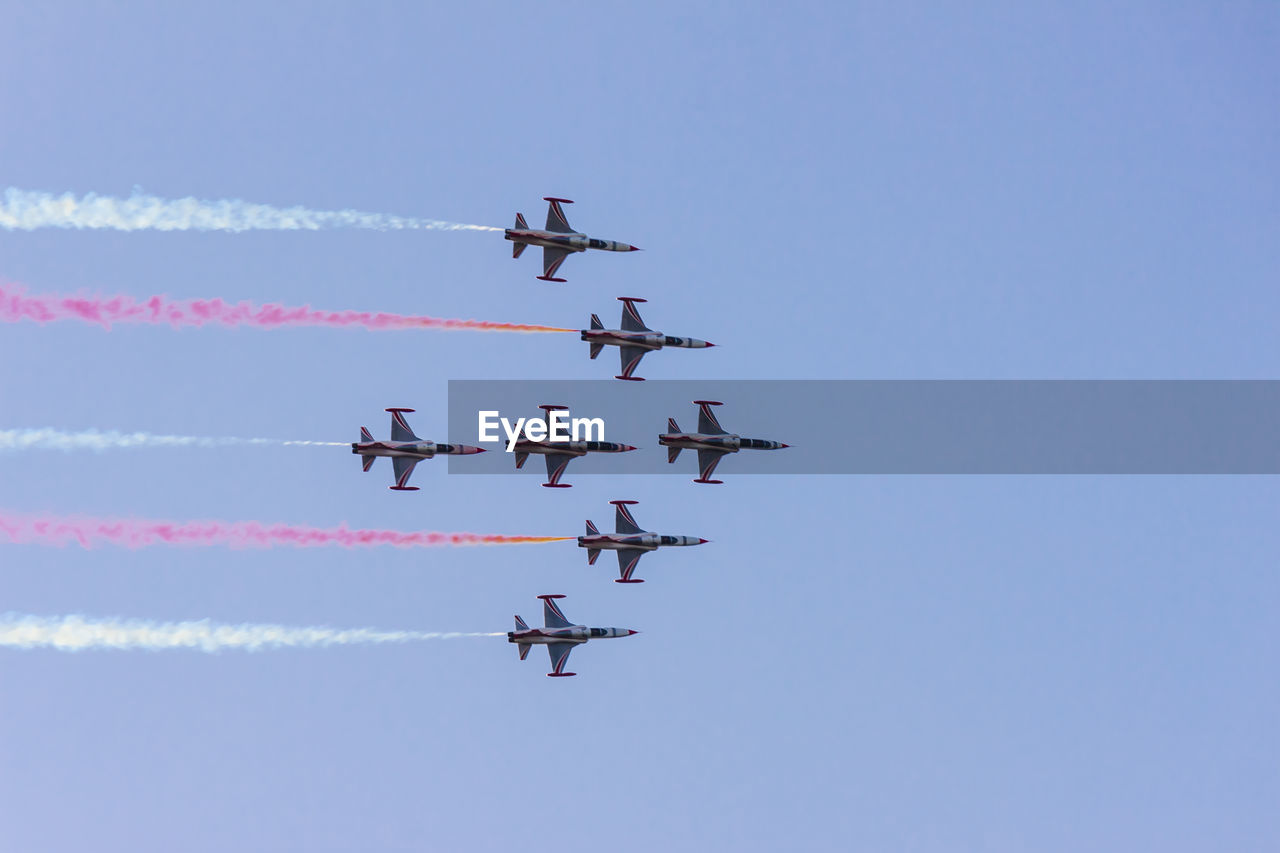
[(672, 425), (367, 462), (520, 223), (595, 322), (524, 649), (517, 248), (592, 555), (521, 625), (592, 530), (595, 349), (365, 435), (672, 453)]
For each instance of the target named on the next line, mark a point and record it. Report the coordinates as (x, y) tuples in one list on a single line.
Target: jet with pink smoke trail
[(405, 450), (88, 532), (17, 305)]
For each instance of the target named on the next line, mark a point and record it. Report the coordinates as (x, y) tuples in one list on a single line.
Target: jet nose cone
[(636, 249), (710, 344), (628, 447), (780, 446), (479, 450), (630, 632), (703, 541)]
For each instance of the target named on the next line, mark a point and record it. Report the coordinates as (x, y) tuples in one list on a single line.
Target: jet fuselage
[(576, 634), (644, 340), (569, 448), (570, 242), (645, 541), (412, 449)]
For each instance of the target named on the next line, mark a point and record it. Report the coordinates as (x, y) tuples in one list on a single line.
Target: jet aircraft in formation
[(405, 449), (630, 541), (559, 635), (634, 339), (560, 453), (711, 441), (558, 240)]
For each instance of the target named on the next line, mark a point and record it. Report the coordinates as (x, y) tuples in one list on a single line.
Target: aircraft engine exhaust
[(50, 438), (16, 305), (27, 210), (79, 633), (24, 529)]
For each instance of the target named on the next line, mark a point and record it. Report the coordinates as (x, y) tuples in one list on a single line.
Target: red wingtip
[(631, 378), (557, 485)]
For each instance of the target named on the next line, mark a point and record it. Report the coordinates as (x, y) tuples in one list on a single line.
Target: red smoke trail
[(140, 533), (16, 305)]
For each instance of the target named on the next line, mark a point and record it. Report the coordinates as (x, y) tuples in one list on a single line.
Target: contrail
[(27, 210), (16, 305), (26, 529), (78, 633), (49, 438)]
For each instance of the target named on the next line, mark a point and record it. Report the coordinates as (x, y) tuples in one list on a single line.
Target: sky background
[(851, 190)]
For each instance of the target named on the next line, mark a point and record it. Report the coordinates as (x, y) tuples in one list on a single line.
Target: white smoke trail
[(48, 438), (26, 210), (78, 633)]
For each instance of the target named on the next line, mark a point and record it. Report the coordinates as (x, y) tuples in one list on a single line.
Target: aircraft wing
[(630, 359), (552, 258), (556, 220), (631, 321), (559, 653), (627, 561), (403, 466), (552, 616), (707, 423), (556, 463), (400, 427), (707, 462), (626, 523)]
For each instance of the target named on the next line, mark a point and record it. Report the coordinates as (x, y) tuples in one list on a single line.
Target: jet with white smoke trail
[(79, 633), (50, 438), (27, 210)]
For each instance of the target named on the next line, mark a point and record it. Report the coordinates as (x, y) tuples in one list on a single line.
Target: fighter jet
[(560, 453), (559, 635), (630, 542), (711, 441), (405, 449), (558, 240), (634, 339)]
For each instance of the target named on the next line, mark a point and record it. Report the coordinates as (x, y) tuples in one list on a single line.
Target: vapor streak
[(78, 633), (27, 210), (24, 529), (49, 438), (17, 305)]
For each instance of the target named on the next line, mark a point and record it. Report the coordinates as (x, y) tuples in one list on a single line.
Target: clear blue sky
[(849, 190)]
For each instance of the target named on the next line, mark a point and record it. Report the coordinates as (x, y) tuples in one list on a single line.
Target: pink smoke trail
[(23, 529), (16, 305)]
